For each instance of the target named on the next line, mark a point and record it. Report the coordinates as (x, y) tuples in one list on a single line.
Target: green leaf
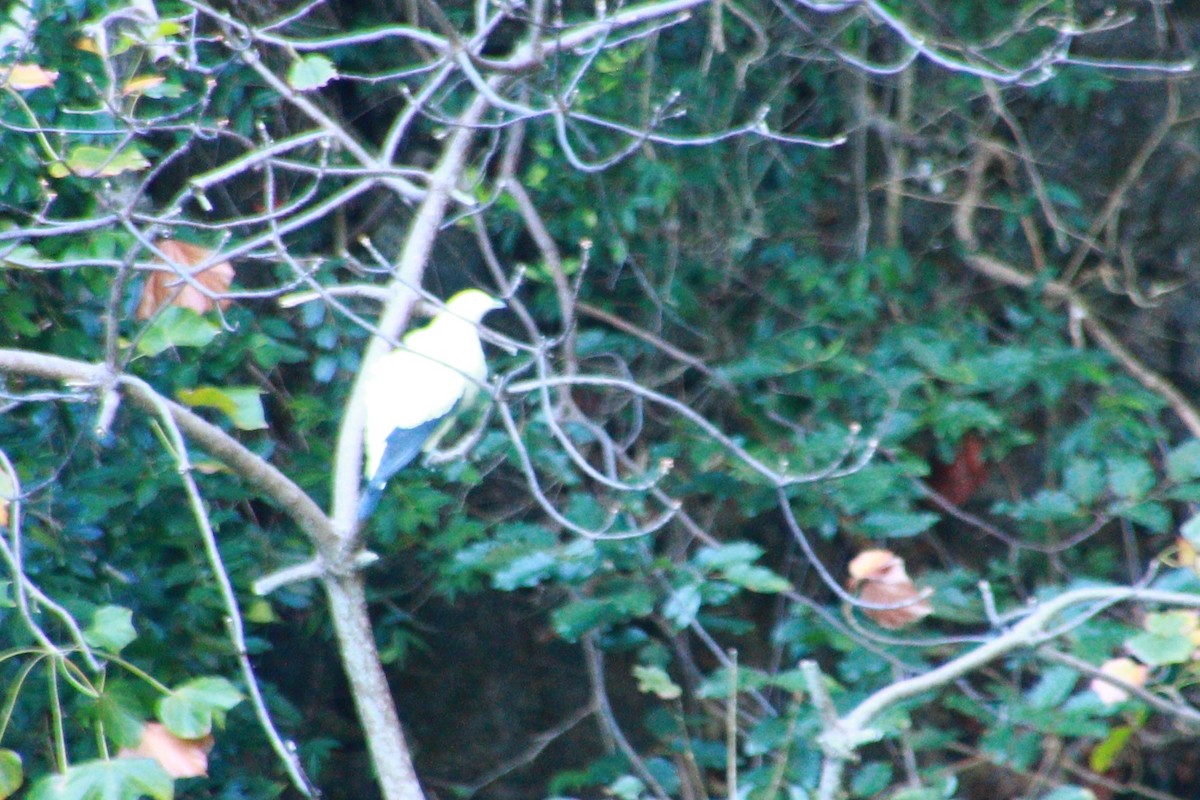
[(726, 555), (176, 327), (655, 680), (117, 779), (871, 779), (756, 579), (1183, 463), (683, 605), (524, 572), (164, 90), (626, 787), (577, 618), (1166, 640), (311, 72), (242, 404), (11, 774), (895, 524), (792, 680), (1171, 623), (1104, 754), (191, 708), (1053, 687), (89, 161), (1047, 505), (1084, 480), (768, 735), (1070, 793), (259, 611), (111, 628), (166, 29), (120, 710), (1190, 530), (1131, 478), (1151, 515), (919, 794), (21, 256)]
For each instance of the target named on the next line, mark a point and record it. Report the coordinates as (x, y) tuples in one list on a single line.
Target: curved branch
[(844, 735), (219, 444), (997, 269)]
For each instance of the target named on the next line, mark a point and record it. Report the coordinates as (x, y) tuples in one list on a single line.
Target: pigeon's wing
[(406, 391), (401, 447)]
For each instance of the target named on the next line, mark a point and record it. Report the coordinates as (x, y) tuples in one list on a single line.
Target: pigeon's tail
[(403, 445), (370, 498)]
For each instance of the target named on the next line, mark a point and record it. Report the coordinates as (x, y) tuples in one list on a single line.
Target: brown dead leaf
[(179, 758), (879, 578), (1123, 669), (959, 480), (27, 76), (166, 288)]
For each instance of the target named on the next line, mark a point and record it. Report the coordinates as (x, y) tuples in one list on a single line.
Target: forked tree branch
[(1077, 306), (842, 736)]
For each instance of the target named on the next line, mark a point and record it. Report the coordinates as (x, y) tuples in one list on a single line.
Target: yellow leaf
[(1123, 669), (139, 85), (27, 76)]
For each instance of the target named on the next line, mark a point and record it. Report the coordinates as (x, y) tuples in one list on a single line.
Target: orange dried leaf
[(168, 288), (959, 480), (1123, 669), (179, 758), (880, 579), (871, 563), (28, 76)]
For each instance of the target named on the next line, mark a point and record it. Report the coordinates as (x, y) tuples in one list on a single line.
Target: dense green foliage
[(758, 329)]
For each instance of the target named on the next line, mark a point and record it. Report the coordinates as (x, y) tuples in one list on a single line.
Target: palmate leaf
[(190, 710), (311, 72), (117, 779), (111, 628)]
